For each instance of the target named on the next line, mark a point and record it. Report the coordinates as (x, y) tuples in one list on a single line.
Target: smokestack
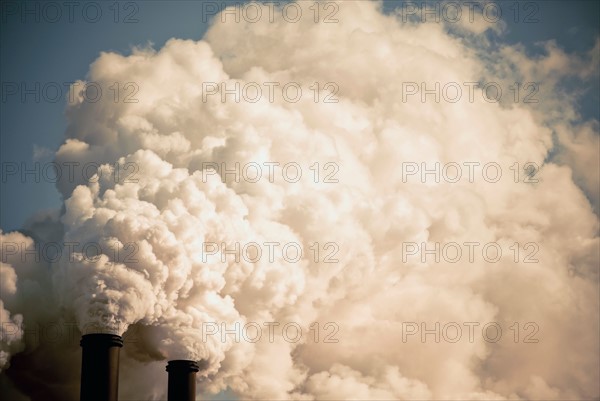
[(100, 367), (182, 380)]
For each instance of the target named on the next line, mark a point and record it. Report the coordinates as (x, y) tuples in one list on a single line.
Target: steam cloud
[(173, 207)]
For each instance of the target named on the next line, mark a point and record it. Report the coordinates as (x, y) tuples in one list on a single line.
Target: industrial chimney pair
[(100, 371)]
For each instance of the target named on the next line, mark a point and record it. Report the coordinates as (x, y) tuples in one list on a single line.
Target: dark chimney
[(182, 380), (100, 367)]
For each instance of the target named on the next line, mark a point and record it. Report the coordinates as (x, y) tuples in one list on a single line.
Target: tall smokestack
[(182, 380), (100, 367)]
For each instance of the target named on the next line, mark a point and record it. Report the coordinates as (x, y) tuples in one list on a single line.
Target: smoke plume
[(155, 202)]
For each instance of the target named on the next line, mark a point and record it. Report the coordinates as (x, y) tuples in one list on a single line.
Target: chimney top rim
[(182, 365), (101, 339)]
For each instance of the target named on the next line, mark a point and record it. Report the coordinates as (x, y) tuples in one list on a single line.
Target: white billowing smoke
[(153, 217), (11, 333), (24, 287)]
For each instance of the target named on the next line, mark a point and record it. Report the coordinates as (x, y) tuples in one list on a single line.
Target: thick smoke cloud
[(167, 208), (10, 340)]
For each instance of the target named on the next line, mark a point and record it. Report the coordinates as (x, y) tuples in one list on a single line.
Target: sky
[(379, 207)]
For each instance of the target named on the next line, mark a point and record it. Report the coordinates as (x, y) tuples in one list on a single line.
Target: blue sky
[(62, 51)]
